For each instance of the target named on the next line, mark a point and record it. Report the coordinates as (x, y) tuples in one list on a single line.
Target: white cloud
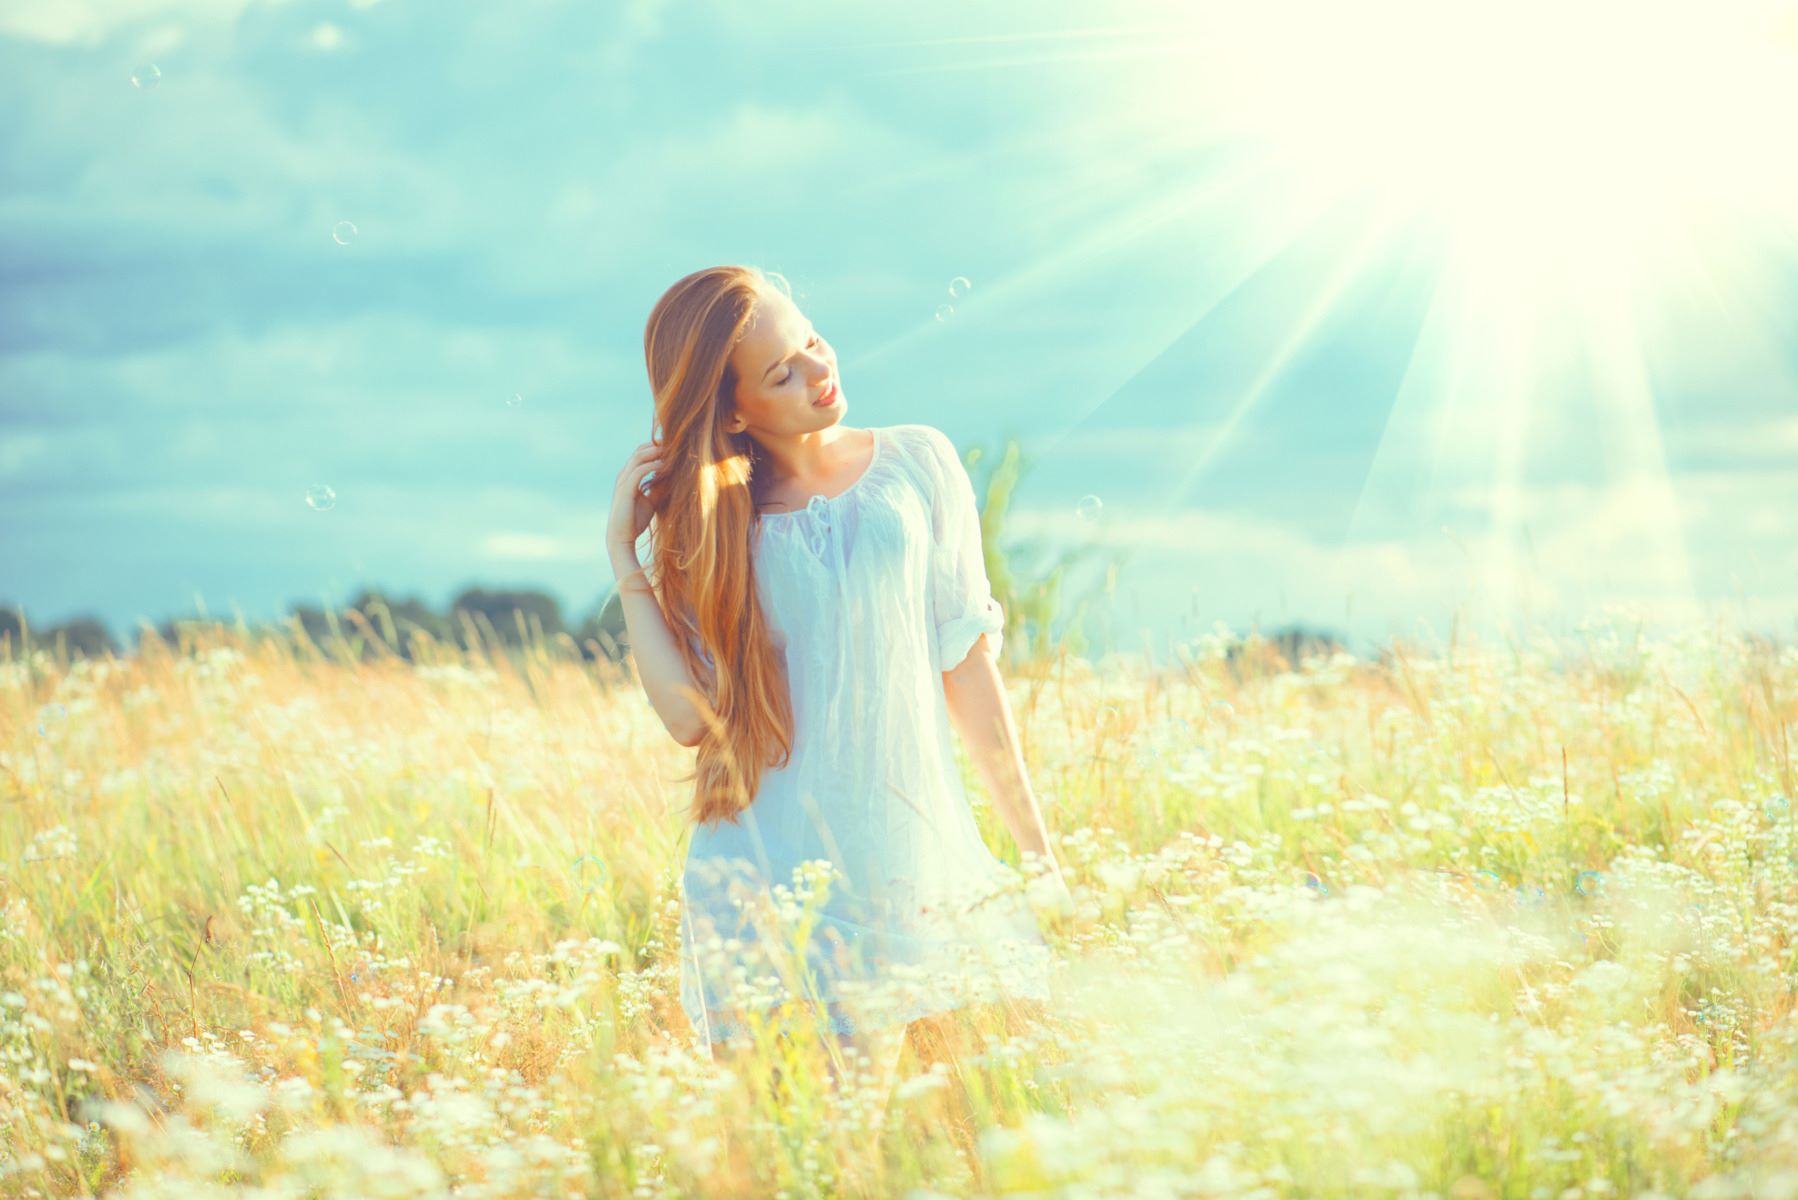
[(326, 36), (1734, 438), (512, 546), (1587, 546), (91, 22)]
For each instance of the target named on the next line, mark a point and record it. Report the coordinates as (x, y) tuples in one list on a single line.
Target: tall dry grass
[(1504, 921)]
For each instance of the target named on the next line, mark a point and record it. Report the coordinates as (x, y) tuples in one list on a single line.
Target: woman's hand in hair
[(630, 507)]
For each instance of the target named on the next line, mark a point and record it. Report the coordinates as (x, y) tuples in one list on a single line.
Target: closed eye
[(787, 378)]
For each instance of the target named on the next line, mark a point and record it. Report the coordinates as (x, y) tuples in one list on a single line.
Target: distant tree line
[(372, 626), (477, 616)]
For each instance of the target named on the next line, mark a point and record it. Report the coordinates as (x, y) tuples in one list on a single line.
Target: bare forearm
[(981, 713), (654, 652), (1011, 794)]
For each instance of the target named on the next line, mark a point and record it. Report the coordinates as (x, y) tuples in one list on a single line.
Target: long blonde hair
[(705, 498)]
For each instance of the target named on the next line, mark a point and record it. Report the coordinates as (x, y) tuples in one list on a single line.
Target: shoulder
[(924, 442)]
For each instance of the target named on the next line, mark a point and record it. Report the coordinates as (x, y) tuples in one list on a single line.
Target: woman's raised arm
[(671, 690)]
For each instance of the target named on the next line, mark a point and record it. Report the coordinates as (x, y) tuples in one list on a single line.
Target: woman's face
[(782, 366)]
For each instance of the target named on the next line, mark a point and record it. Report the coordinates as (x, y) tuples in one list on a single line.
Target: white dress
[(871, 595)]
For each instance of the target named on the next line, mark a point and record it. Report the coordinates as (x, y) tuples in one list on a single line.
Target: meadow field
[(293, 919)]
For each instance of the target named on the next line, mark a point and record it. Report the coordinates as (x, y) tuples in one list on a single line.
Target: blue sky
[(1325, 353)]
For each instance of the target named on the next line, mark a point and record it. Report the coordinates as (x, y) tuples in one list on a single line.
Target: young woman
[(818, 611)]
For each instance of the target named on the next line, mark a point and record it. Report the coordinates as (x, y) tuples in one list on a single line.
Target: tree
[(511, 617)]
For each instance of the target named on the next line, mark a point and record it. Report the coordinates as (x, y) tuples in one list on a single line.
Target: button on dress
[(870, 596)]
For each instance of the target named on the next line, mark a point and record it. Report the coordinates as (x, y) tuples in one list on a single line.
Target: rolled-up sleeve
[(962, 600)]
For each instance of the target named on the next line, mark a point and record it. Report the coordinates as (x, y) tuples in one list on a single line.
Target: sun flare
[(1566, 144)]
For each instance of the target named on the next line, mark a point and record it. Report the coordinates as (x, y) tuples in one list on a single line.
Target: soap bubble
[(595, 877), (1089, 508), (146, 77), (1315, 884), (958, 287), (321, 498), (1587, 883), (945, 311), (514, 400), (51, 716), (343, 233)]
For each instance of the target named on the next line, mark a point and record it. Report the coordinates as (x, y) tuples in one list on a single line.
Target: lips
[(827, 398)]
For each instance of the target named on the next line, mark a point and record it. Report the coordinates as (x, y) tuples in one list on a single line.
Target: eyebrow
[(808, 329)]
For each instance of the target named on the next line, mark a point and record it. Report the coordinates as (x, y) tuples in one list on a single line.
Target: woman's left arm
[(981, 713)]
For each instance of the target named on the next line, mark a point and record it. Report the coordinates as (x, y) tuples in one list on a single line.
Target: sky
[(1386, 322)]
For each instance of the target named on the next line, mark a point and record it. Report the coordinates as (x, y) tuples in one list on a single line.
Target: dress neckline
[(819, 500)]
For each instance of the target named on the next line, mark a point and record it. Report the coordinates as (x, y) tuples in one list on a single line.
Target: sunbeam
[(1318, 305), (1089, 245)]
